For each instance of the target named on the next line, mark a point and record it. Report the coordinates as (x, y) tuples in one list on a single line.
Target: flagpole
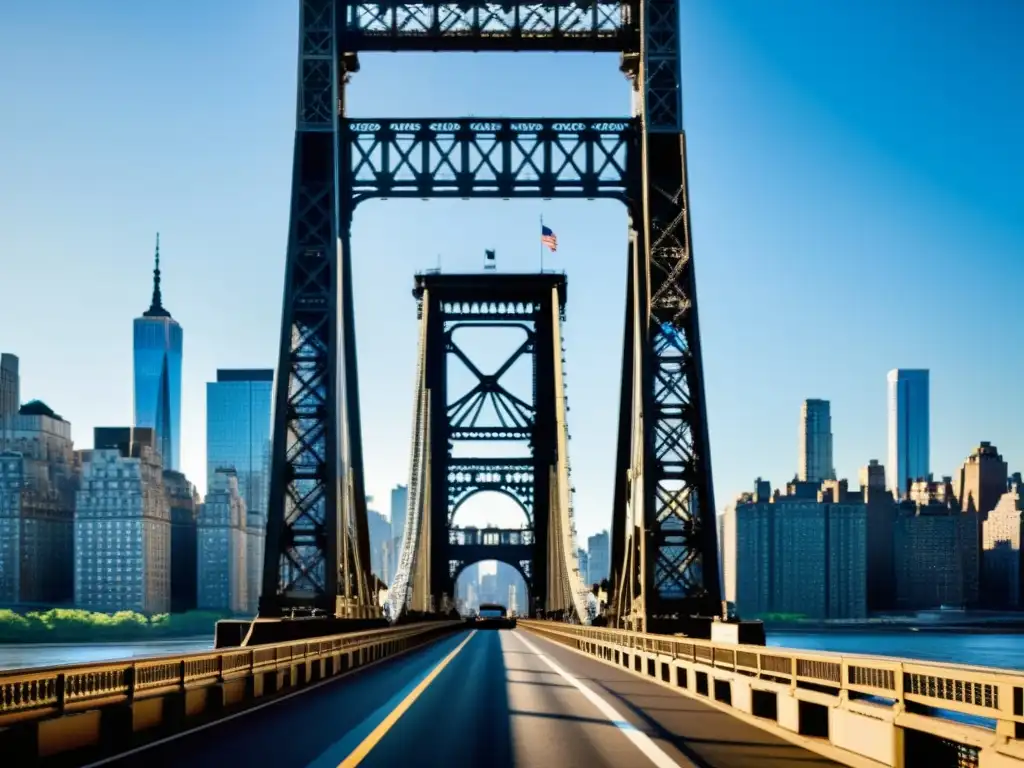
[(542, 243)]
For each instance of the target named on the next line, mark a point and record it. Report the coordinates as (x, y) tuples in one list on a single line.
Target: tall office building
[(600, 554), (238, 431), (583, 562), (909, 424), (10, 396), (936, 549), (122, 525), (379, 528), (238, 437), (38, 479), (157, 352), (183, 502), (399, 505), (1002, 559), (981, 481), (223, 547), (803, 552), (815, 442)]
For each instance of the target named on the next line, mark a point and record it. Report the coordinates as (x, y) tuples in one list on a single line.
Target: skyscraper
[(600, 555), (238, 431), (815, 442), (9, 384), (908, 428), (399, 502), (10, 397), (157, 348)]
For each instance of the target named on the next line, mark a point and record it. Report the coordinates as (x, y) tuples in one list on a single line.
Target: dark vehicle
[(494, 616)]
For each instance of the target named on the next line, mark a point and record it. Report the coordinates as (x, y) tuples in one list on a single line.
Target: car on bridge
[(494, 616)]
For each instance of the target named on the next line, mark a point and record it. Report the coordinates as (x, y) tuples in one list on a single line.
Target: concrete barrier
[(856, 710), (48, 711)]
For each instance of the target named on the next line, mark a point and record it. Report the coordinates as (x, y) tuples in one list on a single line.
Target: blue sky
[(855, 181)]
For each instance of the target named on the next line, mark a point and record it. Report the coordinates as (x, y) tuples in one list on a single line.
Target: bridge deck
[(499, 702)]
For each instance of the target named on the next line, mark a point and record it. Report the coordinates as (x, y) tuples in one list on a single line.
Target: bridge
[(665, 556), (663, 678)]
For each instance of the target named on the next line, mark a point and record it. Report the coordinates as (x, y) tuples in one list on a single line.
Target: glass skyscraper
[(238, 432), (815, 453), (908, 428), (157, 347)]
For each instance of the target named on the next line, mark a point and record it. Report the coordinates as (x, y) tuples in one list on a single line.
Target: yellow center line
[(359, 753)]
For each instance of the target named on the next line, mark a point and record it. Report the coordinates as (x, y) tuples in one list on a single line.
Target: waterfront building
[(981, 480), (183, 502), (1002, 558), (936, 549), (909, 429), (881, 511), (800, 553), (223, 539), (157, 362), (38, 480), (122, 525), (815, 452)]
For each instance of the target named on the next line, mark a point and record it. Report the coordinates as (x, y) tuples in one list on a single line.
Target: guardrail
[(856, 709), (49, 710)]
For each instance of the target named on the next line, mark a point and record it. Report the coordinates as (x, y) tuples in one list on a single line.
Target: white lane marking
[(643, 742), (251, 709)]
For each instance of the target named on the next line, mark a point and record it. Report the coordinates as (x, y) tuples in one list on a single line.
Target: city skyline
[(904, 210)]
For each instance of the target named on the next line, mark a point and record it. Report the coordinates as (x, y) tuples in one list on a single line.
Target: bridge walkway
[(500, 699)]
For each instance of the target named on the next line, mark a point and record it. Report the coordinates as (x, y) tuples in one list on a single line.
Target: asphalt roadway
[(478, 698)]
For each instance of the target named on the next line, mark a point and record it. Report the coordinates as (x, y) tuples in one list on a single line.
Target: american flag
[(548, 238)]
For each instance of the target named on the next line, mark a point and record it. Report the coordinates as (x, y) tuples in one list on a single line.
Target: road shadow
[(462, 717)]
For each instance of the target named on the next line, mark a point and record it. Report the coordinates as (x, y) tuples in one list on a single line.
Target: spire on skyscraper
[(156, 307)]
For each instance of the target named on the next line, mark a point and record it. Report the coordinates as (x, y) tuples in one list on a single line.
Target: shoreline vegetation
[(68, 625)]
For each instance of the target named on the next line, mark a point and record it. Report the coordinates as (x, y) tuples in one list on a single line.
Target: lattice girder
[(514, 416), (515, 25), (513, 477), (490, 157)]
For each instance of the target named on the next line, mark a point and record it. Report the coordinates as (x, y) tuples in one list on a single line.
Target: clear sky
[(855, 178)]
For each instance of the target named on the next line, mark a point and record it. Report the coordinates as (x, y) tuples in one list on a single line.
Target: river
[(989, 650)]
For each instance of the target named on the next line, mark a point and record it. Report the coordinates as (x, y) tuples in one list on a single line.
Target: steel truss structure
[(665, 558), (525, 303), (490, 157), (600, 25)]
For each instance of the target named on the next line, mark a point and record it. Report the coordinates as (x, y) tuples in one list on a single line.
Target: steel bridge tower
[(664, 549), (488, 410)]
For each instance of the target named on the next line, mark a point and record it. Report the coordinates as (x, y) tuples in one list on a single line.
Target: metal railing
[(919, 688), (38, 693)]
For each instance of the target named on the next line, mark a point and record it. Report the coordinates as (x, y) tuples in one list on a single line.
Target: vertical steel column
[(544, 443), (439, 451), (680, 563), (313, 560)]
